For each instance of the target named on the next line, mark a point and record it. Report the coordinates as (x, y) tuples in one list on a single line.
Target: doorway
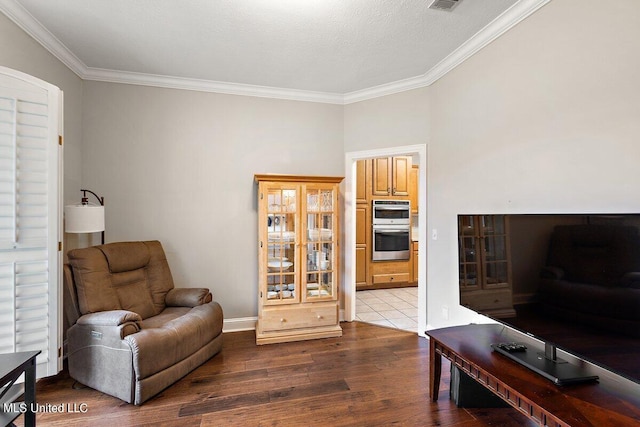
[(392, 307), (418, 152)]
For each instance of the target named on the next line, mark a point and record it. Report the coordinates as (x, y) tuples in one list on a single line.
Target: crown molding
[(37, 31), (508, 19), (142, 79)]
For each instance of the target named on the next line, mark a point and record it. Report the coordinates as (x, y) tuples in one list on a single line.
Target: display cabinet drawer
[(488, 299), (304, 316)]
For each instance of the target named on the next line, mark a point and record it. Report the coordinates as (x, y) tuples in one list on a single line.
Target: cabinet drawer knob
[(282, 320), (319, 317)]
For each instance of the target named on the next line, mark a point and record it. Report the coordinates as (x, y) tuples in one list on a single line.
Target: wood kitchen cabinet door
[(390, 176), (361, 181), (361, 245), (381, 176), (401, 167), (414, 175)]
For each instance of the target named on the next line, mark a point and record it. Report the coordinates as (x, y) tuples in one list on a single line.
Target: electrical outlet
[(445, 312), (434, 234)]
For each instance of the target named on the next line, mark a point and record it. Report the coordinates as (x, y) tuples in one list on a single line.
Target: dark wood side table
[(586, 404), (12, 365)]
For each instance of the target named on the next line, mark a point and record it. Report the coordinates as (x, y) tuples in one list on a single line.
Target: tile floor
[(396, 308)]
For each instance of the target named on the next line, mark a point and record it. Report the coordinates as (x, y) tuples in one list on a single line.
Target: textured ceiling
[(328, 46)]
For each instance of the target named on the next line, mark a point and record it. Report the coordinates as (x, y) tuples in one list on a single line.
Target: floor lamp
[(85, 217)]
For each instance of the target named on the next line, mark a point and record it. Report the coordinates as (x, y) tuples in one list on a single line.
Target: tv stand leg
[(435, 370), (550, 351)]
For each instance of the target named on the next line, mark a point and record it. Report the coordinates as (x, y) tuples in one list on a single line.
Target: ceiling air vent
[(443, 4)]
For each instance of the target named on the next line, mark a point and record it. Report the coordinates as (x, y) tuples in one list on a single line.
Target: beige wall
[(178, 166), (389, 121), (20, 52), (544, 119)]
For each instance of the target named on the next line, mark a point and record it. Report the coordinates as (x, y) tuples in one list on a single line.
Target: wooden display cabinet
[(298, 258), (485, 265)]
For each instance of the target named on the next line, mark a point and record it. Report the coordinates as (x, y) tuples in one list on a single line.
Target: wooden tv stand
[(585, 404)]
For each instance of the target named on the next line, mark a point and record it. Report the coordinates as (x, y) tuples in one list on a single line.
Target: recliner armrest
[(123, 322), (188, 297), (549, 272), (630, 280), (109, 318)]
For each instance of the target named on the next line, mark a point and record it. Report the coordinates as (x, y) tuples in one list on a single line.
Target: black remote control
[(512, 347)]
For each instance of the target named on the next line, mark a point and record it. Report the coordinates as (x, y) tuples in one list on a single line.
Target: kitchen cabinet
[(377, 179), (413, 188), (414, 262), (363, 222), (390, 274), (362, 253), (390, 176), (298, 258), (363, 169), (485, 265)]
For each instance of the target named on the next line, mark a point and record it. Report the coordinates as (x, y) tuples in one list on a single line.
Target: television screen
[(568, 279)]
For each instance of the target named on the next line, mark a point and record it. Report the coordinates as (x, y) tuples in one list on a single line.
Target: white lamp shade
[(83, 218)]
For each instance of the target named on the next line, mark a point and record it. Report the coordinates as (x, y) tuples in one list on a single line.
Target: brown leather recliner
[(593, 276), (132, 332)]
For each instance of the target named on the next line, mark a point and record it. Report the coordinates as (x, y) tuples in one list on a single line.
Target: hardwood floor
[(371, 376)]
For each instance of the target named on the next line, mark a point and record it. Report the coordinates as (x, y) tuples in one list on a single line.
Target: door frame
[(349, 272)]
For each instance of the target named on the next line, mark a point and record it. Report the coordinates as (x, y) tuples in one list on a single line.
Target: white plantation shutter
[(30, 220)]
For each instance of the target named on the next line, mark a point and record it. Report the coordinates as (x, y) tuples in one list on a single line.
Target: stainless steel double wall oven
[(391, 224)]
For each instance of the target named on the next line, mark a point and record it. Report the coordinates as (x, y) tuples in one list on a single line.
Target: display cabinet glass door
[(495, 262), (319, 248), (468, 245), (282, 255), (482, 244)]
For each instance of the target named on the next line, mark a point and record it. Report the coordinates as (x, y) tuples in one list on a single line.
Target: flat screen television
[(571, 281)]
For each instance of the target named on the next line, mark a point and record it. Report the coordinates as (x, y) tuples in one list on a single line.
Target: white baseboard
[(244, 324), (239, 324), (524, 298)]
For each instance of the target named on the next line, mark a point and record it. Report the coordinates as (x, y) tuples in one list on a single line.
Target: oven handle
[(391, 208), (386, 230)]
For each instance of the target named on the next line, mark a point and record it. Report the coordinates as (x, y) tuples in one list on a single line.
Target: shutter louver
[(29, 221), (23, 181)]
